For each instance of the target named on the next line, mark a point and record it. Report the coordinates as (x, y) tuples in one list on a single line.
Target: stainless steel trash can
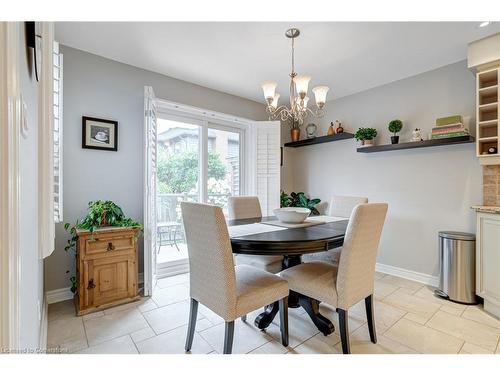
[(457, 258)]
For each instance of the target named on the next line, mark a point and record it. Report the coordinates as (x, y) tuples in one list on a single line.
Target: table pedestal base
[(296, 300), (263, 320), (311, 306)]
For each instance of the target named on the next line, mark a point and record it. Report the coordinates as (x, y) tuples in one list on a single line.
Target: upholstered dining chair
[(340, 206), (247, 208), (228, 290), (352, 280)]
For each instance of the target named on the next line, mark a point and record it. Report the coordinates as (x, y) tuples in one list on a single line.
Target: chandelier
[(298, 109)]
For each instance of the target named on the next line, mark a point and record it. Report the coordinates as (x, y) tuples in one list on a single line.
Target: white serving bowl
[(292, 215)]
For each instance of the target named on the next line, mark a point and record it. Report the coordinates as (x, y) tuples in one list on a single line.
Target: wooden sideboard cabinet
[(106, 268)]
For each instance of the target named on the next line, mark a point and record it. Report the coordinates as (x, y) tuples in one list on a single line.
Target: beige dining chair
[(352, 280), (340, 206), (229, 291), (247, 208)]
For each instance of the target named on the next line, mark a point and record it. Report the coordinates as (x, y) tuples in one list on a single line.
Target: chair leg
[(193, 312), (228, 337), (283, 306), (344, 331), (371, 318), (244, 318)]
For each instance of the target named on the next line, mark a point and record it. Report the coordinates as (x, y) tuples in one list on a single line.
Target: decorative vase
[(295, 133), (395, 139), (331, 129), (340, 129)]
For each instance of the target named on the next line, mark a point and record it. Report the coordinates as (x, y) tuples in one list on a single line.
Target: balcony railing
[(169, 208)]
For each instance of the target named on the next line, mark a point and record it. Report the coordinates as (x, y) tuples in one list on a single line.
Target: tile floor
[(409, 319)]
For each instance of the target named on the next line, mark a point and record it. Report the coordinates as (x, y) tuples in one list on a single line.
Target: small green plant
[(395, 126), (364, 134), (299, 200), (100, 214)]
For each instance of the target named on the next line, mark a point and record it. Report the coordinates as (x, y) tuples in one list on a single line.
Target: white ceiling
[(236, 57)]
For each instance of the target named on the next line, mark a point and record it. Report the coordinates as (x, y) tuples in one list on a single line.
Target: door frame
[(10, 130), (149, 251)]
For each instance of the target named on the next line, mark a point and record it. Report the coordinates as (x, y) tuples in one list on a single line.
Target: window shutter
[(58, 136), (264, 164), (46, 228)]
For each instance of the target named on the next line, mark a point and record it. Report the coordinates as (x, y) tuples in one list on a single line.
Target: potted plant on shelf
[(395, 127), (366, 136), (294, 130)]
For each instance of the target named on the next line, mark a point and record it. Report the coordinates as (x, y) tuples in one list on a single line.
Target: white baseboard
[(58, 295), (407, 274)]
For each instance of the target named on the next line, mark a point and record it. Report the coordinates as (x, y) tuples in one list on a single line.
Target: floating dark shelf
[(430, 143), (322, 139)]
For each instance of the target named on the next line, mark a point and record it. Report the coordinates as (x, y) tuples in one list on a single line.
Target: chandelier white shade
[(299, 86), (320, 95), (274, 103), (269, 88)]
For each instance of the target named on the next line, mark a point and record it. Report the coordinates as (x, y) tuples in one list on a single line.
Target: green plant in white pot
[(395, 127), (366, 136)]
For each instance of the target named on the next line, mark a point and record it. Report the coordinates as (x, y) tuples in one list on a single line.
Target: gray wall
[(427, 189), (31, 287), (95, 86)]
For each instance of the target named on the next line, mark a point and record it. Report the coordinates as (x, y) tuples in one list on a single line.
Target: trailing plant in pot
[(99, 214), (299, 200), (366, 136), (395, 127)]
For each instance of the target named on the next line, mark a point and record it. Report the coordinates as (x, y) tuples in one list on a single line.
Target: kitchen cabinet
[(488, 258)]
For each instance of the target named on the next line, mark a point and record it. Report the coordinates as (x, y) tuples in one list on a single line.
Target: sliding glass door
[(178, 173), (224, 171), (198, 161)]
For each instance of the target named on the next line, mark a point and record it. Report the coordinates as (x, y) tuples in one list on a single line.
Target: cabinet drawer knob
[(91, 284), (110, 246)]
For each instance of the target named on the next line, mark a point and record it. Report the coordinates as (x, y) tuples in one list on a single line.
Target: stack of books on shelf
[(448, 127)]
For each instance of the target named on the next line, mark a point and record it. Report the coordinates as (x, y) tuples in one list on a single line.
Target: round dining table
[(291, 243)]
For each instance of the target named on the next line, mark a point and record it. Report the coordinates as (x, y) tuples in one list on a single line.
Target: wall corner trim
[(10, 188), (430, 280), (44, 325)]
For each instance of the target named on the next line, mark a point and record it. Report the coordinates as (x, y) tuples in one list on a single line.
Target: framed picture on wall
[(99, 134)]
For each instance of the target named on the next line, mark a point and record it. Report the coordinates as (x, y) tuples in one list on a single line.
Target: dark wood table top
[(291, 241)]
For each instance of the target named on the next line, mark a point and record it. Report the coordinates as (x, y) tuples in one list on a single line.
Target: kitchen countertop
[(489, 209)]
